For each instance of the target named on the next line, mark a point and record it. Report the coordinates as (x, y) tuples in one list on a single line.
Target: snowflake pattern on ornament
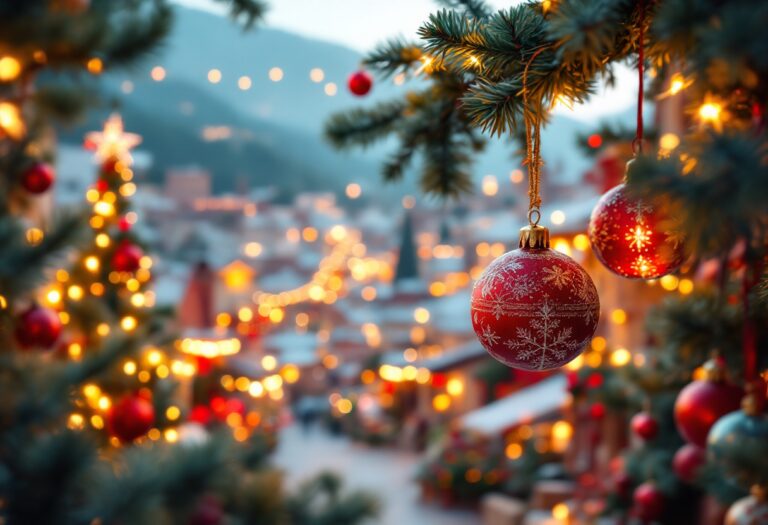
[(534, 309)]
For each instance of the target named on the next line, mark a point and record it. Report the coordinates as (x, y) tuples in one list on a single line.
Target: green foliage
[(320, 501)]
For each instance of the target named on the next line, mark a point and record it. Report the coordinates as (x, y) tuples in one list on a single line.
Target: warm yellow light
[(557, 217), (102, 329), (516, 176), (128, 189), (75, 421), (669, 282), (129, 368), (490, 185), (172, 413), (128, 323), (367, 377), (91, 391), (676, 84), (35, 236), (437, 289), (316, 75), (441, 402), (599, 343), (53, 296), (620, 357), (157, 73), (10, 68), (162, 371), (330, 89), (104, 208), (272, 382), (244, 83), (95, 66), (269, 362), (330, 361), (75, 292), (710, 111), (353, 190), (290, 373), (144, 376), (514, 450), (561, 512), (11, 122), (455, 387), (368, 293), (75, 350), (104, 403), (256, 389), (91, 263), (252, 249), (421, 315), (581, 242), (685, 286), (214, 76), (171, 435), (97, 422), (309, 234), (410, 355), (669, 141), (276, 74), (562, 245), (593, 359), (245, 314), (102, 240), (618, 316), (276, 315), (242, 384)]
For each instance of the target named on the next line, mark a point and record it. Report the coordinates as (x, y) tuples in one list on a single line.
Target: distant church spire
[(407, 261)]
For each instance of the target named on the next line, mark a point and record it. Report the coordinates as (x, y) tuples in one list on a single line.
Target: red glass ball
[(360, 83), (131, 417), (623, 484), (200, 414), (649, 501), (123, 225), (644, 425), (597, 411), (38, 327), (534, 309), (38, 178), (207, 512), (700, 404), (127, 258), (687, 462), (632, 237)]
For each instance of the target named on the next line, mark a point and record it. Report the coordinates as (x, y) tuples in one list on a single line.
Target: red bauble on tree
[(38, 178), (534, 308), (360, 83), (207, 512), (701, 403), (649, 501), (131, 417), (38, 328), (127, 257), (644, 425), (687, 462), (634, 238)]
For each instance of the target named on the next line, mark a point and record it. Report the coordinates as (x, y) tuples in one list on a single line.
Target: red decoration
[(102, 186), (131, 417), (200, 414), (644, 425), (534, 309), (597, 411), (701, 403), (207, 512), (595, 380), (594, 141), (623, 485), (123, 225), (127, 258), (110, 165), (38, 178), (38, 327), (687, 462), (360, 83), (649, 502), (632, 238)]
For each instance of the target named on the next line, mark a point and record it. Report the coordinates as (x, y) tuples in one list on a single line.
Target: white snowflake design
[(498, 272), (557, 276), (544, 344)]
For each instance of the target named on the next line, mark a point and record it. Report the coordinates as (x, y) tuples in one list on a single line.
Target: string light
[(11, 123), (10, 68)]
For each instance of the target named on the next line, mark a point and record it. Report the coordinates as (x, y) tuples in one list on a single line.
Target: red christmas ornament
[(38, 327), (649, 502), (131, 417), (123, 225), (534, 308), (623, 484), (644, 425), (633, 238), (701, 403), (127, 258), (597, 411), (360, 83), (110, 165), (687, 462), (595, 380), (200, 414), (38, 178), (207, 512)]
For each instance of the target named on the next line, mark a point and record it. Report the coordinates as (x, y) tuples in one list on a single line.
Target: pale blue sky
[(362, 23)]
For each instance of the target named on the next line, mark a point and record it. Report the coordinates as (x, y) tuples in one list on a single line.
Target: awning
[(533, 402)]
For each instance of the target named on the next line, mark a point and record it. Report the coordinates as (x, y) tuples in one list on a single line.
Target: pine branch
[(363, 127), (393, 56), (246, 11)]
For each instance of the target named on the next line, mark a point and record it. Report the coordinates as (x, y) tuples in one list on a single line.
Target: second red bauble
[(649, 502), (127, 258), (38, 327), (701, 403), (131, 417), (360, 83), (534, 309), (687, 462), (632, 237), (644, 425), (38, 178)]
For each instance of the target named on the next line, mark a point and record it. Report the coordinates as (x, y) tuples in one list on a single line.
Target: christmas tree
[(693, 207), (94, 429)]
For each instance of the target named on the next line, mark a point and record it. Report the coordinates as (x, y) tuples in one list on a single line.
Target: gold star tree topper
[(113, 140)]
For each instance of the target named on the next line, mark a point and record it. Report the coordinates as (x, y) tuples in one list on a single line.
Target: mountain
[(271, 133)]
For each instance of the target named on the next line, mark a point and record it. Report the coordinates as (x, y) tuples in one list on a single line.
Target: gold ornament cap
[(714, 368), (534, 236)]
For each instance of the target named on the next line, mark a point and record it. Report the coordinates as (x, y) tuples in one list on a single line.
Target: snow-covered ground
[(383, 471)]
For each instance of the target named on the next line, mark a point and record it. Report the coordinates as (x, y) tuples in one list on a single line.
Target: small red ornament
[(634, 238), (200, 414), (534, 308), (110, 165), (127, 258), (623, 485), (649, 502), (207, 512), (360, 83), (597, 411), (38, 327), (38, 178), (123, 225), (644, 425), (687, 462), (131, 417), (701, 403), (595, 380)]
